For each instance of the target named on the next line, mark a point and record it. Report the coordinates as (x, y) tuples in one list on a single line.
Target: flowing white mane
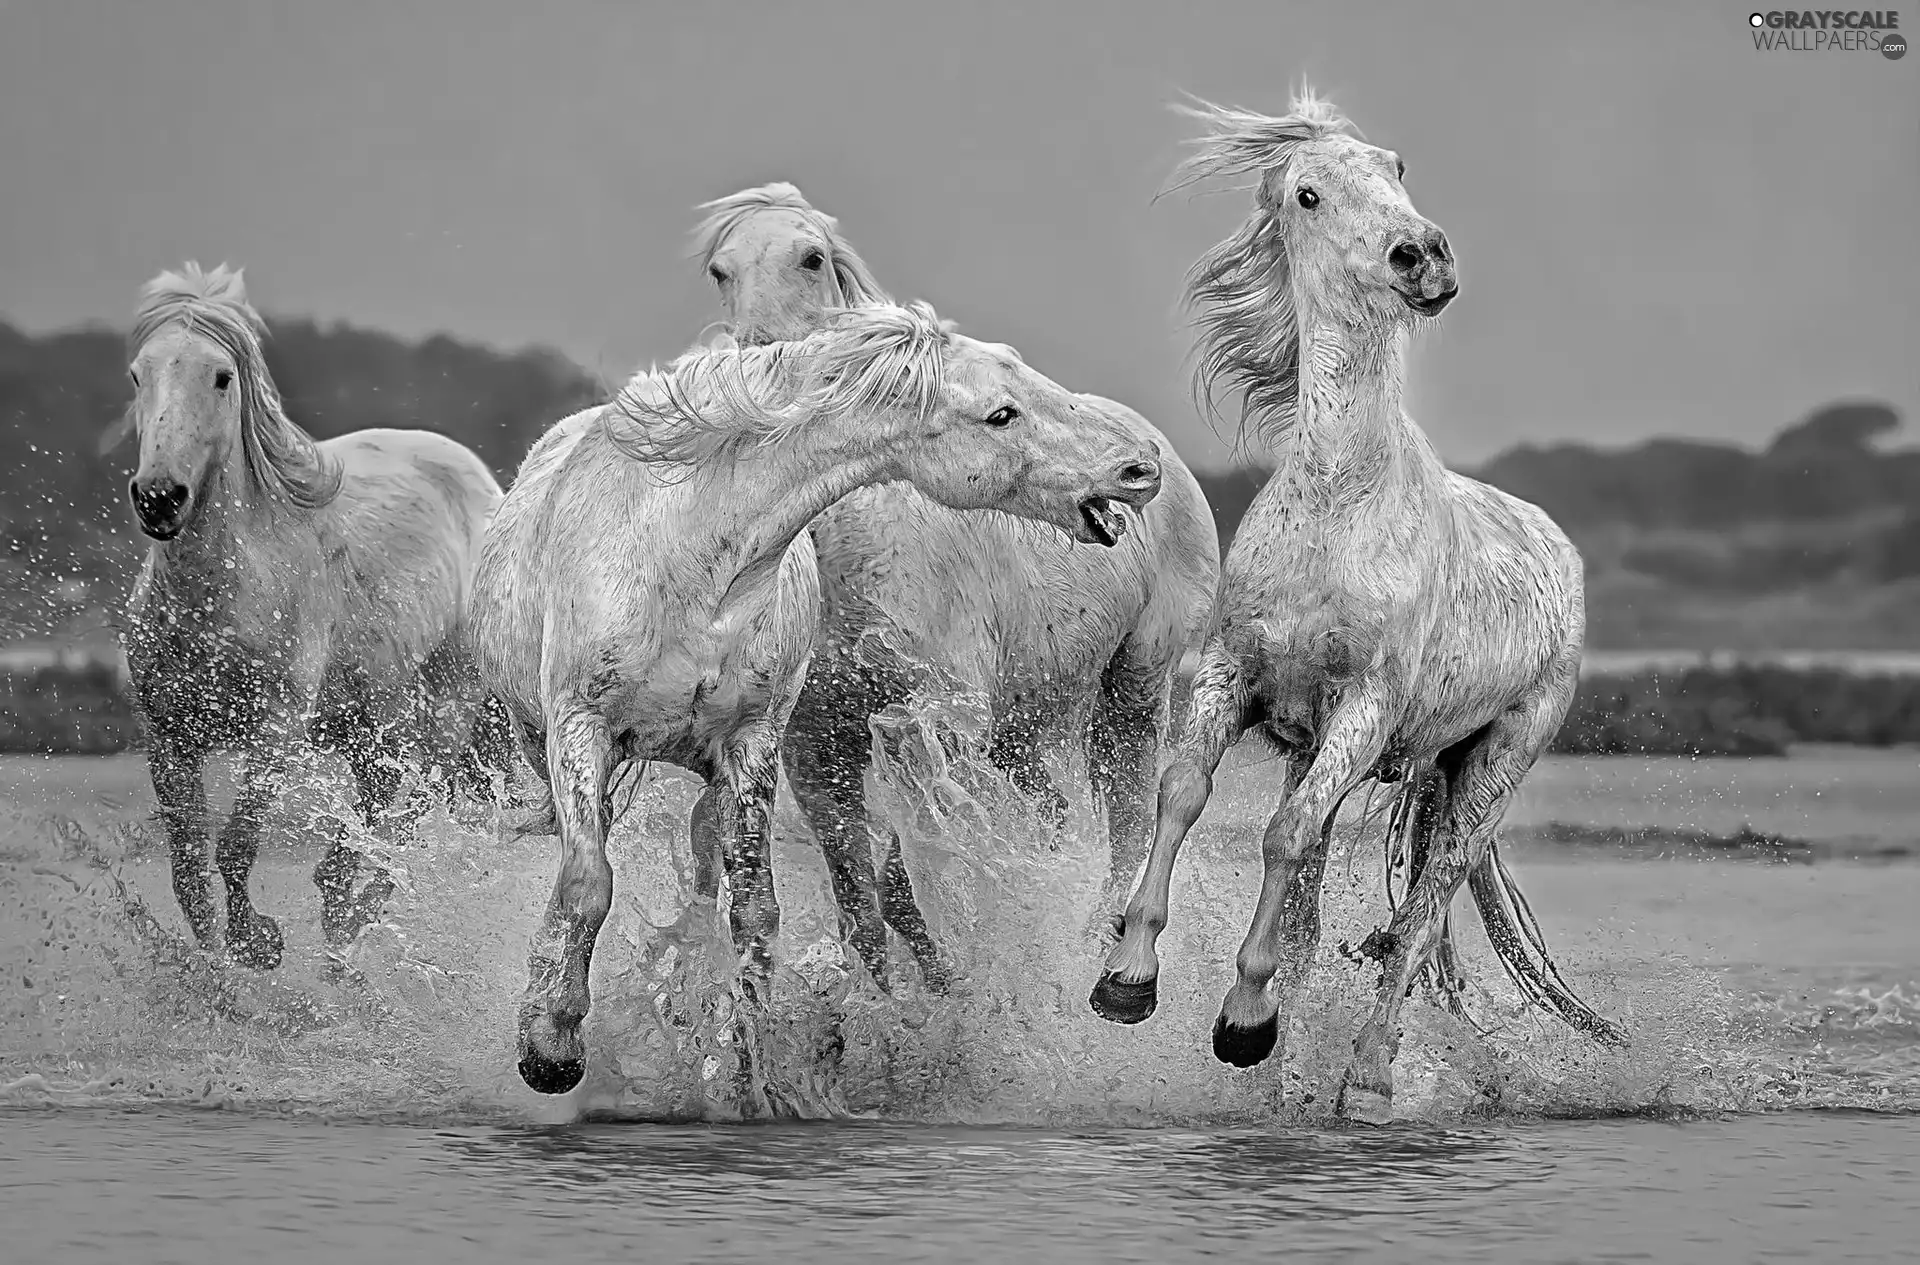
[(1241, 289), (712, 399)]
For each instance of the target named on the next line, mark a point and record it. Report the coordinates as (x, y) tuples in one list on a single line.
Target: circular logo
[(1893, 47), (1756, 19)]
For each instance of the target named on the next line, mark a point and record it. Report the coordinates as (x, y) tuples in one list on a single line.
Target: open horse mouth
[(1430, 307), (1103, 521)]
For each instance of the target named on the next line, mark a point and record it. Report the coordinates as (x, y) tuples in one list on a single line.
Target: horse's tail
[(1522, 949), (1504, 912)]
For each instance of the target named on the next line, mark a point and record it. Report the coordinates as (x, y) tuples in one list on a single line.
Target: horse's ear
[(1272, 192), (116, 433)]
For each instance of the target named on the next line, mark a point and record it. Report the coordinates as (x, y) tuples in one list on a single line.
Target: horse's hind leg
[(1128, 989), (1286, 922), (253, 939), (1483, 774), (377, 773), (179, 784), (580, 758), (826, 771), (902, 912), (1015, 752)]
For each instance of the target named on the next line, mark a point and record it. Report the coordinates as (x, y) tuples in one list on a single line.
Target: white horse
[(646, 592), (1059, 640), (1380, 618), (294, 591)]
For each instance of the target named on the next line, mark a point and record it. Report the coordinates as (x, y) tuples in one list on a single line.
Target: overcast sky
[(1660, 229)]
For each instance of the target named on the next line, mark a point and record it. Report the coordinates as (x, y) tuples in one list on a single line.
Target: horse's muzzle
[(160, 506)]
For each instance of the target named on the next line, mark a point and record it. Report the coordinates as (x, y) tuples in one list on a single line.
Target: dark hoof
[(1245, 1047), (259, 946), (1123, 1001), (545, 1076)]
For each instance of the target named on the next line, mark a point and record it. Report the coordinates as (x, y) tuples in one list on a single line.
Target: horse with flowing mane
[(294, 592), (1059, 640), (648, 592), (1381, 617)]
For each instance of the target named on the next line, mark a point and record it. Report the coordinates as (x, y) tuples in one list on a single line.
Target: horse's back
[(400, 541), (416, 475)]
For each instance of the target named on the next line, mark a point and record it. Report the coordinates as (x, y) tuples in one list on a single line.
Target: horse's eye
[(134, 374), (222, 380), (1307, 198), (814, 261), (719, 277), (1002, 416)]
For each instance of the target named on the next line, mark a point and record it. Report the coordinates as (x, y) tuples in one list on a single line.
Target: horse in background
[(1060, 641), (648, 592), (1381, 617), (295, 592)]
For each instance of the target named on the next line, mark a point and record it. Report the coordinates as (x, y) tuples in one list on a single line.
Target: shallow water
[(157, 1105), (167, 1186)]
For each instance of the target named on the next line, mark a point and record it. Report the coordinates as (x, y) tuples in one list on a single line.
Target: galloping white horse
[(1060, 640), (647, 591), (1381, 617), (293, 591)]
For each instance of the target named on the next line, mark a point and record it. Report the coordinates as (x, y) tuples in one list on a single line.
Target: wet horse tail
[(1506, 915)]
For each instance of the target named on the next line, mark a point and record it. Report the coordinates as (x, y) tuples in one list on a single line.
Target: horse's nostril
[(1141, 473), (1437, 246), (1405, 257), (157, 500)]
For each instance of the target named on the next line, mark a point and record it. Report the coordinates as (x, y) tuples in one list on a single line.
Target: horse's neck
[(1351, 445), (771, 492)]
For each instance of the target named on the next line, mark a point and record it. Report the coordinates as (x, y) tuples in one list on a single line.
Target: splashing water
[(103, 999)]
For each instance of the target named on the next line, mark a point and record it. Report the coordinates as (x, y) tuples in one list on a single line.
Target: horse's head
[(186, 406), (779, 264), (1332, 211), (202, 396), (975, 428)]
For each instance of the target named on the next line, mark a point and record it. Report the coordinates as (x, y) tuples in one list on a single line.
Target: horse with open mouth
[(1061, 642), (648, 591)]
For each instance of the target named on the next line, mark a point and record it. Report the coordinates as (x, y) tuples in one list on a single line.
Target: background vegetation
[(1810, 543)]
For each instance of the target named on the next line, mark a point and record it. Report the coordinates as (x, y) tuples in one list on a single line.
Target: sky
[(1660, 229)]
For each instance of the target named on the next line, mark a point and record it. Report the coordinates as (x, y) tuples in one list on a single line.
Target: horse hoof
[(1365, 1106), (1245, 1047), (1124, 1001), (260, 947), (550, 1076)]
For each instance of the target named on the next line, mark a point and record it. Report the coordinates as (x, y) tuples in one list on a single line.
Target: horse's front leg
[(749, 777), (1285, 931), (253, 939), (579, 761), (179, 784), (1123, 753), (1128, 989)]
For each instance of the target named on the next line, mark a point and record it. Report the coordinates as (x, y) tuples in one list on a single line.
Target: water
[(157, 1106)]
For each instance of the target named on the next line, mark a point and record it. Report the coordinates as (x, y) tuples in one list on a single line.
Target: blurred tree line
[(66, 542)]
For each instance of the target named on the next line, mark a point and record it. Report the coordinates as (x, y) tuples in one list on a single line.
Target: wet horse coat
[(295, 592)]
